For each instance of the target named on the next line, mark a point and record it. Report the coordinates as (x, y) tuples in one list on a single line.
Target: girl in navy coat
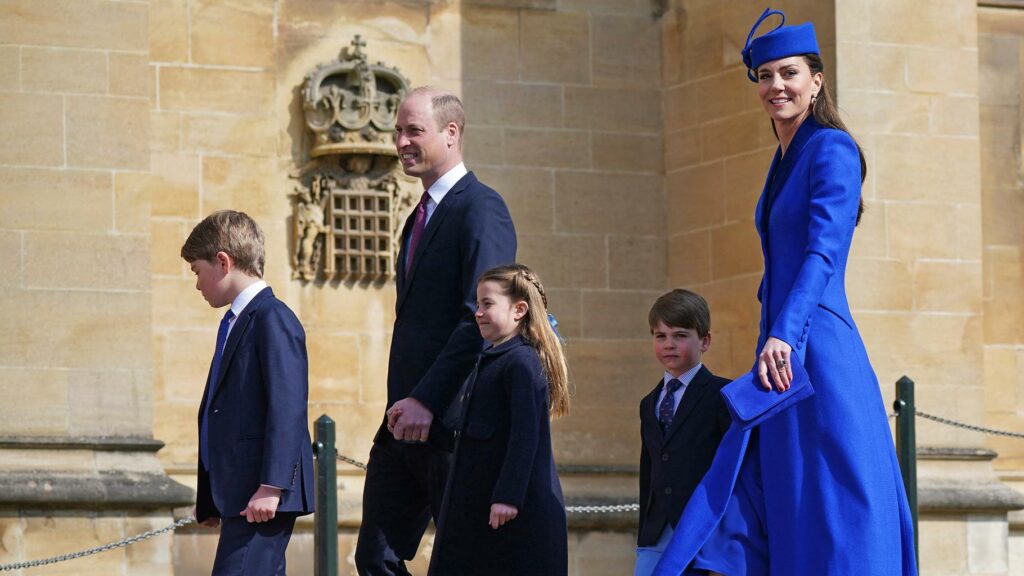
[(503, 511), (819, 490)]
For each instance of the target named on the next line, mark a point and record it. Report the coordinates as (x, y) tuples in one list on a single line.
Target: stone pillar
[(77, 464), (1001, 73), (909, 87)]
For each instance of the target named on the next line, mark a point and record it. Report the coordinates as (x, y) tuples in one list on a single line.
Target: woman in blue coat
[(816, 488), (503, 513)]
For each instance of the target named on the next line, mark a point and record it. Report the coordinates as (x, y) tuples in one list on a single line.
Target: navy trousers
[(255, 549), (403, 490)]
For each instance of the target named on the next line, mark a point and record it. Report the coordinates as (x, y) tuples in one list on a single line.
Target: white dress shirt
[(685, 378), (241, 301), (439, 189)]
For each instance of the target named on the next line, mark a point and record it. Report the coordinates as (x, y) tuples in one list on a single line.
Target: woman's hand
[(774, 362), (502, 513)]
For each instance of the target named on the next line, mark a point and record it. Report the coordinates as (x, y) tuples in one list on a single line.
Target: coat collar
[(783, 163), (510, 344), (778, 173)]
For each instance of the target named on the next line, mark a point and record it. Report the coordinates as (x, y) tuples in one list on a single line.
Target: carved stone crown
[(351, 105)]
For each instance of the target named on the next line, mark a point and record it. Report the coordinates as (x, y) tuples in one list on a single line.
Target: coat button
[(664, 457), (668, 490), (216, 410)]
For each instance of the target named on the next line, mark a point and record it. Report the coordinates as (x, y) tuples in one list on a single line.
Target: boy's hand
[(502, 513), (211, 522), (412, 421), (263, 504)]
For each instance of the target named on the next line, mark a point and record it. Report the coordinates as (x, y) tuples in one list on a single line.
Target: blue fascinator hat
[(780, 42)]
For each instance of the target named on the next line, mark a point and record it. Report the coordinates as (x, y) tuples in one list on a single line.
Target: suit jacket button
[(216, 410), (668, 490), (664, 457)]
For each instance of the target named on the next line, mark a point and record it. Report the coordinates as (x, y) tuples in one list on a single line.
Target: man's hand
[(501, 514), (263, 504), (211, 522), (409, 419)]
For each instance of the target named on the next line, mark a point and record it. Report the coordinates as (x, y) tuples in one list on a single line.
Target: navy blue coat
[(258, 431), (503, 455), (673, 462), (436, 340), (833, 500)]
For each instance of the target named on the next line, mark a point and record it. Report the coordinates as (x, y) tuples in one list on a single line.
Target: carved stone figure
[(309, 223)]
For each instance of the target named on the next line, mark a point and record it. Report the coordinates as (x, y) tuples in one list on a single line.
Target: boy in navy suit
[(255, 460), (682, 421)]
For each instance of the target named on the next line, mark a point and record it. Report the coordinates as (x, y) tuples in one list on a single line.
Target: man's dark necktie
[(418, 225)]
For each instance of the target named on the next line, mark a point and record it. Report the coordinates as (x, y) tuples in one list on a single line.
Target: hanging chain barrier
[(582, 509), (964, 426), (596, 509), (98, 549)]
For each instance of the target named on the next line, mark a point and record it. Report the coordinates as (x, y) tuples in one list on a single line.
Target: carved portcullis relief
[(348, 202)]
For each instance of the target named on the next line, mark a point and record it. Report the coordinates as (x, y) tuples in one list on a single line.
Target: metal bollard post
[(906, 448), (325, 538)]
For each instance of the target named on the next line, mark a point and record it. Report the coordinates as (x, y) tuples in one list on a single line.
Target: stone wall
[(75, 294), (631, 149), (920, 134), (563, 119)]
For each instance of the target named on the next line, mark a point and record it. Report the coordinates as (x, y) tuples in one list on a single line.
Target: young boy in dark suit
[(681, 421), (255, 459)]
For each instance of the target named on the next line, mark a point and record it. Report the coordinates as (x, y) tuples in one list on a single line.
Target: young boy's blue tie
[(667, 407), (222, 337)]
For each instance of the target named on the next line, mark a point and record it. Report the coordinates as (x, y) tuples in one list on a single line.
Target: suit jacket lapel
[(403, 253), (783, 165), (236, 334), (430, 231), (691, 397), (651, 427)]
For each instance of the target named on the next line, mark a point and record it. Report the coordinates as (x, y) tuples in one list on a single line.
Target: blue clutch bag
[(750, 404)]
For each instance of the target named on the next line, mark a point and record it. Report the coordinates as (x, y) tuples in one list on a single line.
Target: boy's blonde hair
[(522, 285), (231, 232)]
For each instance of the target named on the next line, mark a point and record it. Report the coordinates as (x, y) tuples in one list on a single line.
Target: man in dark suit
[(459, 229), (682, 421), (255, 473)]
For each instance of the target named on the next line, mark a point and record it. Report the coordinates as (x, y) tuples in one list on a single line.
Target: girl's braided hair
[(523, 285)]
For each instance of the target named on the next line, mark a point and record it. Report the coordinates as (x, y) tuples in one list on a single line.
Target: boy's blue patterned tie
[(667, 407), (222, 337)]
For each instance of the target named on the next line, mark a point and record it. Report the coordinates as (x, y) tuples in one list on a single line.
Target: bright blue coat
[(816, 489)]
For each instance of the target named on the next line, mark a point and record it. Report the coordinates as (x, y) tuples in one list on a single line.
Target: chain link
[(98, 549), (609, 509), (355, 463), (970, 427)]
